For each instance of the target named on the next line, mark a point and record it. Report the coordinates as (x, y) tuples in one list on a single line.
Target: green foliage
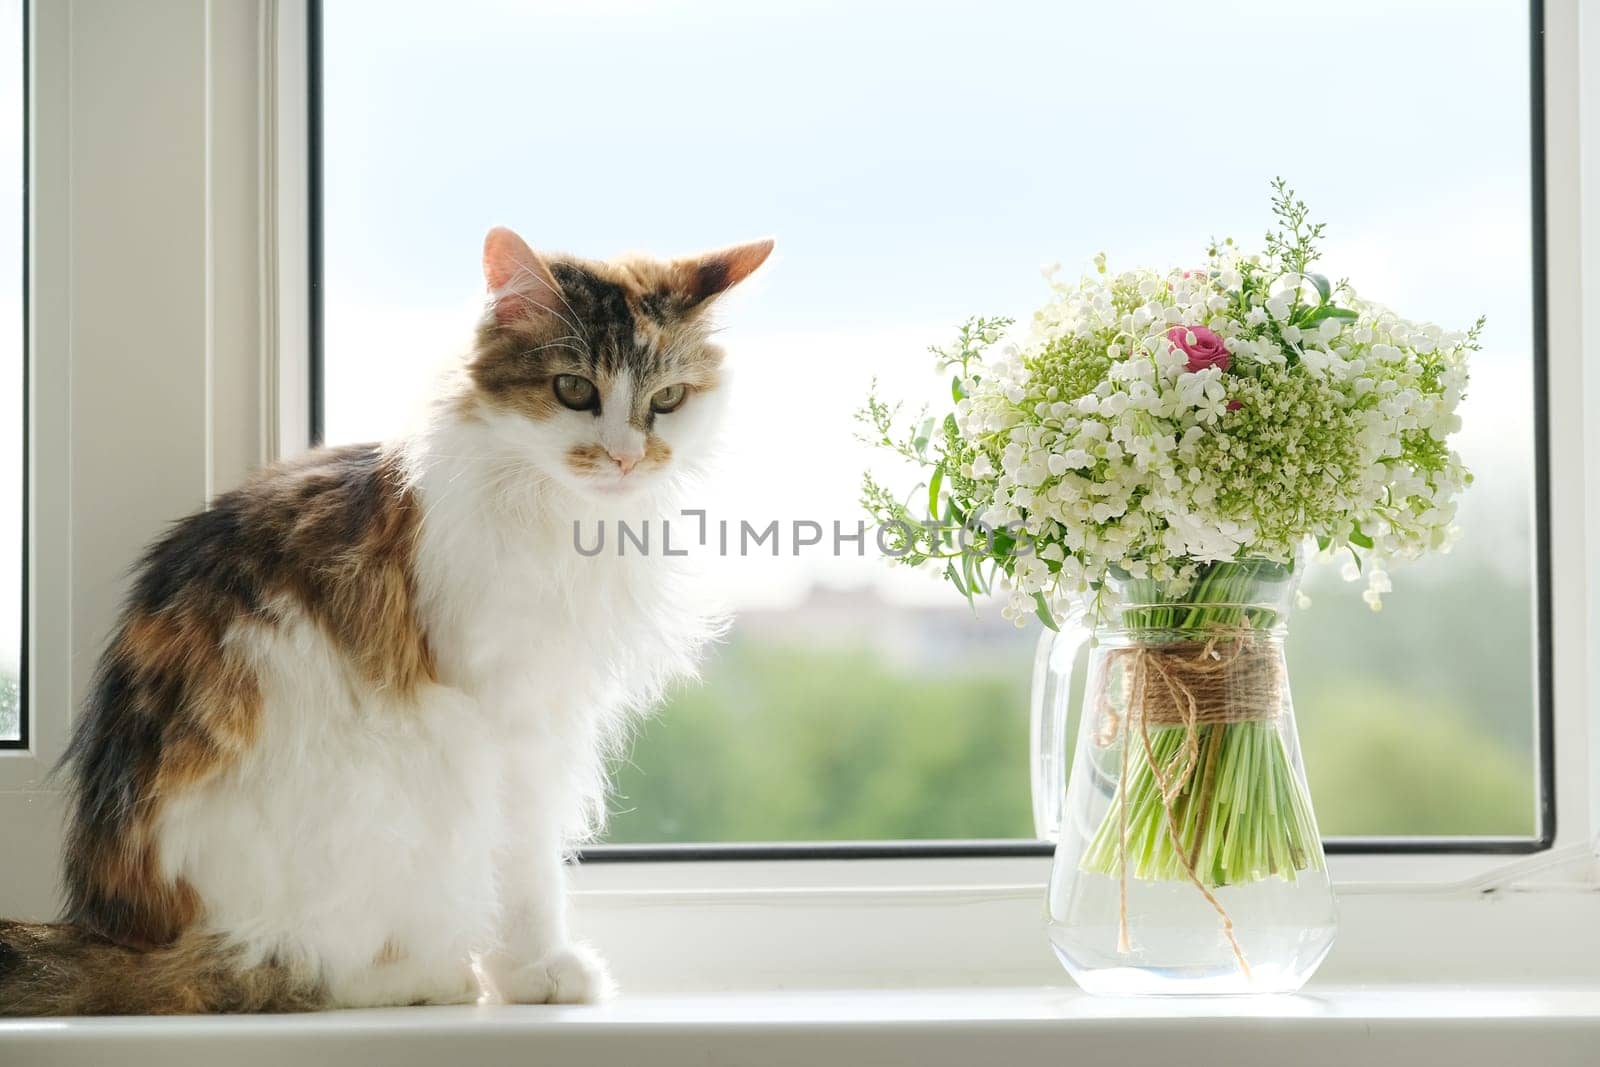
[(1378, 766), (1294, 243), (879, 418), (975, 335), (971, 555), (1301, 430), (795, 744), (1240, 815), (1070, 364), (1430, 735)]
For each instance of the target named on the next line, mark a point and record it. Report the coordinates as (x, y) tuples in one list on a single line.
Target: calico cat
[(358, 711)]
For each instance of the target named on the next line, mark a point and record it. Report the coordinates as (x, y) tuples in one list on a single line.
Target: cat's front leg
[(571, 974), (536, 961)]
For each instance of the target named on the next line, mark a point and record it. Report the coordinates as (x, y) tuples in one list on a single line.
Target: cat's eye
[(577, 393), (669, 399)]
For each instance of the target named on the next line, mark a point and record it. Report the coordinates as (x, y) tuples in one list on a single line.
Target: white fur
[(436, 823)]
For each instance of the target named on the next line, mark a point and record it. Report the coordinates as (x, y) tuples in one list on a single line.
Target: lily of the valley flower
[(1151, 422)]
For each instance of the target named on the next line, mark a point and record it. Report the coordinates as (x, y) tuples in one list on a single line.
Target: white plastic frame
[(168, 357)]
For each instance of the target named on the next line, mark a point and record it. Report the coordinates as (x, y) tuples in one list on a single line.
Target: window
[(917, 162), (13, 374)]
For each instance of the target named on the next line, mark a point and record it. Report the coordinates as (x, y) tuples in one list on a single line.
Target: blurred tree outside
[(872, 722), (853, 719)]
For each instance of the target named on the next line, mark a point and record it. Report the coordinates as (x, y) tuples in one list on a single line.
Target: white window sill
[(954, 975), (929, 1027)]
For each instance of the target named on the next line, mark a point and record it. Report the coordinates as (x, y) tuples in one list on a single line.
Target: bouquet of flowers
[(1157, 445)]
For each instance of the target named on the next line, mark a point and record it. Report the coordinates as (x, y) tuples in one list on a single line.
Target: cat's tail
[(61, 969)]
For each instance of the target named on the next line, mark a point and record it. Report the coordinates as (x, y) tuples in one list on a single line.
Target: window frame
[(21, 742), (152, 324), (717, 852)]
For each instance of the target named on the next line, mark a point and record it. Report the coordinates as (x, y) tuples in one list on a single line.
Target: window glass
[(918, 162), (12, 350)]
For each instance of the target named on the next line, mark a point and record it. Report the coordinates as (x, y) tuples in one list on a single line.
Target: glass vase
[(1187, 857)]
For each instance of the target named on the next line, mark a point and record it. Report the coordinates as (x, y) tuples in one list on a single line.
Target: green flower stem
[(1242, 814)]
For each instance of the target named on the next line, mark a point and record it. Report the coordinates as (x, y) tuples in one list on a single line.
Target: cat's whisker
[(561, 296), (551, 344), (525, 275)]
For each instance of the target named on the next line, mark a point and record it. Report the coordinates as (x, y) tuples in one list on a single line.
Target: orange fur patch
[(175, 701), (389, 954), (656, 453), (360, 589), (589, 459)]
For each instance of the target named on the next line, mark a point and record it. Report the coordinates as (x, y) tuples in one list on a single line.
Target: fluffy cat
[(356, 713)]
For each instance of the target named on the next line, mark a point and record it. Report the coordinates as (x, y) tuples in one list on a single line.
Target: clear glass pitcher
[(1187, 857)]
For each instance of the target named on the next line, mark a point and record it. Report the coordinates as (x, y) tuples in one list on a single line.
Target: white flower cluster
[(1151, 423)]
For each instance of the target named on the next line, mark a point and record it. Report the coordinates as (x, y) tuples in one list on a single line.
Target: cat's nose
[(626, 462)]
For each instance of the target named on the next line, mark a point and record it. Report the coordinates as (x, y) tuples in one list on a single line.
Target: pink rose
[(1205, 350)]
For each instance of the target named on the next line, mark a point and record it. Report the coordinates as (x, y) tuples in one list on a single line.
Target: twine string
[(1196, 684)]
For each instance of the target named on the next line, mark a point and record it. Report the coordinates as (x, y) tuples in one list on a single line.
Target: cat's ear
[(716, 272), (520, 283)]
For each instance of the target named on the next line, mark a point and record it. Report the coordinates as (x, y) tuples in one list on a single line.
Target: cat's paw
[(572, 974)]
